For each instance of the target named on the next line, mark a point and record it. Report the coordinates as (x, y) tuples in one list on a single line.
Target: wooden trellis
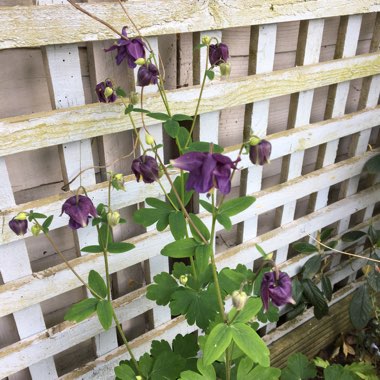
[(328, 89)]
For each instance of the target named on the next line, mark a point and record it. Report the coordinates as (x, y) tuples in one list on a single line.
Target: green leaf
[(327, 287), (141, 110), (311, 267), (128, 109), (163, 288), (180, 248), (47, 222), (295, 311), (202, 257), (373, 280), (191, 375), (217, 342), (199, 46), (374, 235), (177, 225), (181, 117), (260, 372), (360, 308), (37, 215), (158, 204), (183, 137), (171, 127), (158, 116), (336, 371), (326, 233), (201, 228), (230, 280), (167, 366), (250, 343), (261, 251), (319, 362), (373, 165), (148, 216), (331, 245), (250, 310), (179, 186), (207, 206), (353, 236), (303, 247), (158, 347), (315, 297), (235, 206), (210, 74), (81, 310), (245, 366), (298, 367), (119, 247), (224, 220), (186, 345), (104, 234), (104, 311), (120, 92), (362, 369), (297, 289), (203, 146), (207, 371), (97, 284), (92, 249), (146, 364), (124, 372)]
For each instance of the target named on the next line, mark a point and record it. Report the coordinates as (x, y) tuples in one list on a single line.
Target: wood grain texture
[(47, 26)]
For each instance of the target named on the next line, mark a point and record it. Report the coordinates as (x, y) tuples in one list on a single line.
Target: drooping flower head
[(19, 227), (105, 91), (132, 49), (259, 154), (79, 208), (278, 290), (218, 53), (145, 168), (207, 170), (147, 74)]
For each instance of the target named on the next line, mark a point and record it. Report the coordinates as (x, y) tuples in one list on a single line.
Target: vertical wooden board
[(262, 51), (308, 51), (14, 263)]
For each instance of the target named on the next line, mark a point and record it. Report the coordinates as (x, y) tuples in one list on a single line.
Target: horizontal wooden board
[(23, 133), (283, 143), (46, 25)]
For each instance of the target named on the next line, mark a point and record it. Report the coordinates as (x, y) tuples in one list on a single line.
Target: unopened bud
[(183, 279), (138, 377), (239, 299), (113, 218), (206, 40), (21, 216), (134, 98), (254, 140), (118, 181), (269, 256), (149, 139), (225, 69), (108, 92), (140, 61), (119, 177), (36, 229)]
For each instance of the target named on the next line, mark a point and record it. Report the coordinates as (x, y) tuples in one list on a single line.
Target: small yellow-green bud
[(225, 69), (119, 177), (254, 140), (183, 279), (113, 218), (21, 216), (239, 299), (108, 92), (138, 377), (149, 139), (118, 181), (140, 61), (269, 256), (36, 229), (206, 40), (134, 98)]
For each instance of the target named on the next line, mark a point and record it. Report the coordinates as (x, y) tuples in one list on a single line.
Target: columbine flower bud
[(225, 69), (19, 227), (183, 279), (21, 216), (134, 98), (36, 229), (117, 181), (254, 140), (113, 218), (206, 40), (149, 139), (218, 53), (239, 299), (138, 377), (147, 74), (259, 154), (145, 168), (140, 61)]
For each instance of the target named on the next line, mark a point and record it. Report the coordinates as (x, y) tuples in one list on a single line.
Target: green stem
[(228, 361)]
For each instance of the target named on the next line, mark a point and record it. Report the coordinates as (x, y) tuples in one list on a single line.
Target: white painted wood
[(66, 90), (15, 264), (265, 50), (309, 47)]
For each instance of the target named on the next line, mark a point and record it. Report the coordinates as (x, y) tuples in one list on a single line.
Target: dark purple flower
[(278, 290), (19, 227), (145, 168), (207, 170), (147, 74), (259, 154), (132, 49), (79, 208), (218, 53), (105, 92)]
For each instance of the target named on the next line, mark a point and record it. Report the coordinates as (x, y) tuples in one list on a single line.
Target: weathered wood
[(37, 27), (40, 130)]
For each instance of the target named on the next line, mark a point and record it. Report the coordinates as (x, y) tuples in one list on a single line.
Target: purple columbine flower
[(207, 170), (218, 53), (147, 74), (278, 290), (259, 154), (145, 168), (19, 227), (131, 49), (105, 92), (79, 208)]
